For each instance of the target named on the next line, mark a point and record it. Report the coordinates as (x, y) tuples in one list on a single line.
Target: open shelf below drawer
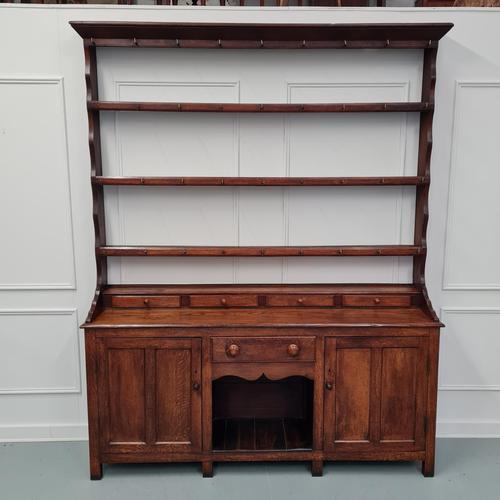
[(261, 434)]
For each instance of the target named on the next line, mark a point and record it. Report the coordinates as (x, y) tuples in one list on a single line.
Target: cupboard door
[(149, 392), (375, 393)]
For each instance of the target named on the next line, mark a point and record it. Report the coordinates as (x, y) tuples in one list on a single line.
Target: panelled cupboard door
[(375, 393), (149, 391)]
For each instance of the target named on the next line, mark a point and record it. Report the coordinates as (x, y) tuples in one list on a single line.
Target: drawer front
[(146, 301), (224, 300), (300, 300), (262, 349), (376, 300)]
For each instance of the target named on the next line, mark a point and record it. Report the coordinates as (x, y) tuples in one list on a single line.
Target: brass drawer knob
[(293, 350), (233, 350)]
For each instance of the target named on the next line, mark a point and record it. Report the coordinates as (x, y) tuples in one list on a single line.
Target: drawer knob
[(196, 386), (293, 350), (329, 386), (300, 301), (146, 302), (223, 302), (233, 350), (377, 300)]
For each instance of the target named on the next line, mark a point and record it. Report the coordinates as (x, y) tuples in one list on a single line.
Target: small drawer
[(300, 300), (224, 300), (376, 300), (145, 301), (262, 349)]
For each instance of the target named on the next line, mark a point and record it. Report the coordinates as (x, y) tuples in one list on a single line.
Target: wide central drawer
[(262, 349)]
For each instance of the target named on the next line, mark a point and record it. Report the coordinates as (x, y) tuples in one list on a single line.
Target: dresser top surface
[(261, 317)]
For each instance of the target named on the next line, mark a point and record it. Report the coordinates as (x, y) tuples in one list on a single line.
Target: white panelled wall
[(47, 272)]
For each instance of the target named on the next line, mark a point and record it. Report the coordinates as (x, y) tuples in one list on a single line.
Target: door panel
[(126, 395), (352, 405), (377, 396), (398, 393), (149, 394), (173, 396)]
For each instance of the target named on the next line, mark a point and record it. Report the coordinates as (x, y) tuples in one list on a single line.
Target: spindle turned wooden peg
[(233, 350), (293, 350)]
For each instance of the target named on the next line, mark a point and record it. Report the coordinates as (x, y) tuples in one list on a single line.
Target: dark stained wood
[(94, 140), (261, 434), (376, 300), (91, 363), (430, 414), (126, 397), (263, 349), (271, 371), (148, 394), (262, 317), (262, 372), (352, 405), (260, 181), (195, 107), (303, 300), (173, 396), (379, 397), (266, 290), (145, 301), (269, 35), (260, 251), (424, 164), (225, 300)]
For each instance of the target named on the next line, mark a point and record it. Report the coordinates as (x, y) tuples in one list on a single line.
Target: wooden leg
[(428, 467), (95, 470), (430, 436), (207, 468), (317, 468)]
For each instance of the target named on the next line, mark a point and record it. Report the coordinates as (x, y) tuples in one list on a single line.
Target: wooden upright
[(211, 373)]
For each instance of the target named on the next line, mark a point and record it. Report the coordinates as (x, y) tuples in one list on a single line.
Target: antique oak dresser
[(212, 373)]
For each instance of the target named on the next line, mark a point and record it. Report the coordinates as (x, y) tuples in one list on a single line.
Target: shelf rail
[(261, 251)]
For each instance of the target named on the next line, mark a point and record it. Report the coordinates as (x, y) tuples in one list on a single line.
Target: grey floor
[(467, 469)]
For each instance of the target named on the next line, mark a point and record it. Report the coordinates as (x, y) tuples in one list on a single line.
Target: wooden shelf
[(204, 107), (262, 36), (260, 181), (260, 251), (231, 434)]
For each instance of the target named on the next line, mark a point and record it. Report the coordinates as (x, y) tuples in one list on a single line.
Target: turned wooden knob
[(146, 302), (196, 386), (377, 300), (293, 350), (300, 301), (233, 350), (223, 302), (329, 386)]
